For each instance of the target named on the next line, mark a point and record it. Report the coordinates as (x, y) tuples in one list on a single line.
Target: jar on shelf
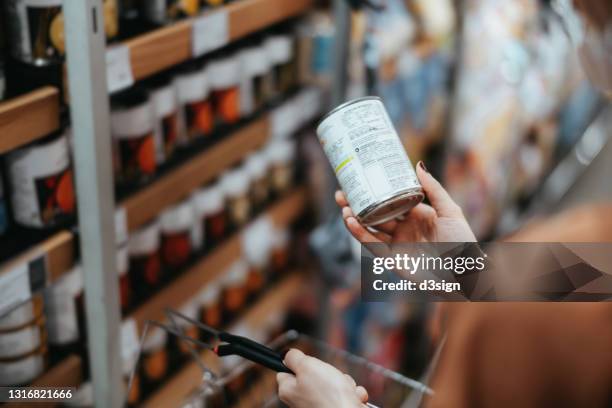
[(61, 307), (36, 29), (224, 77), (41, 181), (166, 116), (281, 157), (145, 264), (234, 294), (279, 49), (133, 140), (22, 370), (211, 308), (125, 287), (23, 330), (256, 167), (209, 208), (154, 357), (255, 79), (176, 233), (194, 99), (235, 186), (165, 12), (281, 252), (190, 310), (256, 249)]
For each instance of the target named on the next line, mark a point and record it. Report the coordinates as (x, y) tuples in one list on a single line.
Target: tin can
[(41, 181), (369, 160)]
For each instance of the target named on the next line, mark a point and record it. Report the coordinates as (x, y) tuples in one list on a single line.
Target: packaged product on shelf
[(211, 308), (194, 99), (256, 249), (176, 233), (166, 11), (36, 29), (234, 294), (166, 116), (369, 160), (15, 342), (190, 309), (279, 49), (3, 214), (254, 79), (22, 370), (281, 156), (42, 192), (279, 241), (125, 287), (209, 208), (154, 357), (224, 77), (235, 186), (132, 128), (256, 166), (61, 304), (145, 263)]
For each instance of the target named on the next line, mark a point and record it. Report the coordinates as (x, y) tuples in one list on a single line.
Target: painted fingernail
[(422, 166)]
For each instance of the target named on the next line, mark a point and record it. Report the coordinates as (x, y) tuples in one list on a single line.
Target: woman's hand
[(317, 384), (443, 221)]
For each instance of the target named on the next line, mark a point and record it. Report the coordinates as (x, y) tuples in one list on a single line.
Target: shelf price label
[(209, 32), (14, 287), (118, 68)]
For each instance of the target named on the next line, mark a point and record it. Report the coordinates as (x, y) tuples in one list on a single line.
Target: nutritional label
[(366, 153)]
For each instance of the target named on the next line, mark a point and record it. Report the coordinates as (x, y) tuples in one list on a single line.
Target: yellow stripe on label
[(344, 163)]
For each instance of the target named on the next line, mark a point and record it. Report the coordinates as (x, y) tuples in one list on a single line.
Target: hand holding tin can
[(369, 161)]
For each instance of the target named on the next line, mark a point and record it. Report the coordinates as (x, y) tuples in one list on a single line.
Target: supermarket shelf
[(65, 374), (182, 384), (214, 264), (28, 117), (177, 184), (165, 47), (57, 253)]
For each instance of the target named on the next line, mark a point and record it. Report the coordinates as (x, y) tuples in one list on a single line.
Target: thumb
[(437, 195), (294, 360)]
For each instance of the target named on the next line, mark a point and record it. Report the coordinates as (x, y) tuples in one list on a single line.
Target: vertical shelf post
[(89, 107)]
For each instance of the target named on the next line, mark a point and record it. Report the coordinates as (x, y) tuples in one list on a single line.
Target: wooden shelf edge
[(180, 182), (67, 373), (168, 46), (28, 117), (58, 251), (187, 380), (284, 212)]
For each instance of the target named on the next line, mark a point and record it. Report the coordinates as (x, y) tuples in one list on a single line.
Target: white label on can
[(14, 287), (19, 342), (28, 165), (366, 154)]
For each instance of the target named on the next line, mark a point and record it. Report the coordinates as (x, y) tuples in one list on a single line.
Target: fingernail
[(422, 166)]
